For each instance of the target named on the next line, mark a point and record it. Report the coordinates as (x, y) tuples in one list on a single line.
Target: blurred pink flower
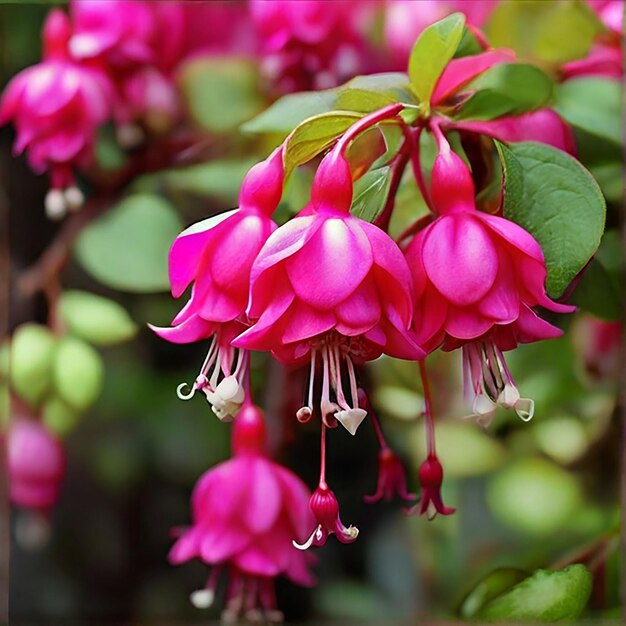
[(306, 44), (245, 513), (57, 106), (599, 344), (36, 464), (476, 278), (391, 478), (329, 284)]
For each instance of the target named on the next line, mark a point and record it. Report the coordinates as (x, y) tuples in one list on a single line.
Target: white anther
[(484, 410), (227, 398), (74, 198), (525, 409), (509, 396), (56, 204), (202, 598), (351, 419)]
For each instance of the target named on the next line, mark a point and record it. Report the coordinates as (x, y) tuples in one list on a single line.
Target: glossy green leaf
[(490, 587), (533, 496), (96, 319), (290, 110), (469, 45), (540, 31), (553, 197), (546, 596), (32, 355), (314, 136), (78, 373), (127, 247), (432, 51), (220, 93), (507, 89), (370, 194), (592, 104)]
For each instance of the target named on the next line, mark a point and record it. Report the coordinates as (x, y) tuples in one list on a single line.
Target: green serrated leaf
[(314, 135), (490, 587), (544, 32), (593, 105), (432, 51), (370, 194), (507, 89), (96, 319), (553, 197), (220, 92), (546, 596), (127, 247), (290, 110)]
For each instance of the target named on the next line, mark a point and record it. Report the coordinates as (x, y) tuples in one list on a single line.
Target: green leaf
[(507, 89), (96, 319), (369, 93), (365, 150), (362, 100), (469, 45), (314, 136), (127, 247), (32, 354), (540, 31), (533, 496), (290, 110), (370, 194), (58, 417), (556, 200), (490, 587), (220, 92), (593, 105), (546, 596), (78, 373), (431, 53)]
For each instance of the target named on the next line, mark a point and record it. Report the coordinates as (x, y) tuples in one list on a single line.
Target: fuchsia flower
[(477, 277), (57, 106), (329, 285), (246, 512), (391, 478), (431, 479), (36, 464), (217, 255), (308, 44)]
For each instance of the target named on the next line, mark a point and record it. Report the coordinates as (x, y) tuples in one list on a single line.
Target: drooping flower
[(307, 44), (431, 479), (245, 514), (477, 278), (217, 255), (333, 289), (391, 478), (36, 464), (57, 106)]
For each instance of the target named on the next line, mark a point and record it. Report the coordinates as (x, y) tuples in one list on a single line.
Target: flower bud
[(332, 185)]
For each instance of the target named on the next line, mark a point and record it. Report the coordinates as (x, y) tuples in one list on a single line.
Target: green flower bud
[(58, 417)]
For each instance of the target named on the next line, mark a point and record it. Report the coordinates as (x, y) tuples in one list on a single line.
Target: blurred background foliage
[(528, 496)]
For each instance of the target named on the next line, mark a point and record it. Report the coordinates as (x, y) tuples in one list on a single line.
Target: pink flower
[(57, 106), (391, 478), (245, 514), (325, 509), (598, 343), (308, 44), (328, 284), (431, 479), (217, 255), (477, 277), (36, 464)]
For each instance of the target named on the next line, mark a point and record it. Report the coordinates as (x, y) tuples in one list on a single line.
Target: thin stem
[(428, 411), (398, 165), (323, 484), (379, 433)]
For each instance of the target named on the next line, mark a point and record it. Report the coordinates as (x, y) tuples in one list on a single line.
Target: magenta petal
[(513, 234), (222, 541), (188, 250), (304, 322), (185, 548), (360, 310), (460, 258), (193, 329), (460, 72), (257, 562), (264, 497), (296, 498), (430, 317), (530, 327), (502, 302), (298, 570), (331, 264), (465, 324), (401, 344)]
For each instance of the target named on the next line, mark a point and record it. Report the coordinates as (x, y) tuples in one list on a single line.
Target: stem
[(398, 165), (428, 411), (390, 111), (417, 168), (323, 484), (379, 433)]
